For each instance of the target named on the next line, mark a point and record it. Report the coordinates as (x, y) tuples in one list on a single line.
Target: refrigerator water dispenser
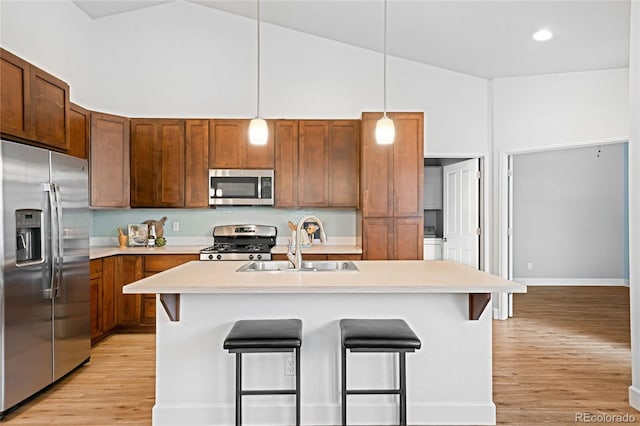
[(28, 236)]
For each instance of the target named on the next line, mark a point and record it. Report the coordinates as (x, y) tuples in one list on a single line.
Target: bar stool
[(254, 336), (377, 335)]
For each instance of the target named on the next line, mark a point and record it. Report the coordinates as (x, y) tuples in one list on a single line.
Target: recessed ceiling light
[(542, 35)]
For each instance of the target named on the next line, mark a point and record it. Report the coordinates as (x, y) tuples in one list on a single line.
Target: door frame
[(503, 309), (483, 206)]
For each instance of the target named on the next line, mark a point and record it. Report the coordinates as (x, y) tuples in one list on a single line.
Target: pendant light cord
[(258, 63), (384, 83)]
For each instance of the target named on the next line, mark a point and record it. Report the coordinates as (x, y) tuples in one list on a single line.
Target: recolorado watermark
[(587, 417)]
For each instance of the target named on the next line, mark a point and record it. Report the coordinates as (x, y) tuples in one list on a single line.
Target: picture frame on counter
[(138, 234)]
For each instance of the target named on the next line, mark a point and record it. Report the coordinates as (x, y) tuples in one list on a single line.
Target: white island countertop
[(396, 276)]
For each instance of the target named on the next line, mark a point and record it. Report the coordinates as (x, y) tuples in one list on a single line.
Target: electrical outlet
[(176, 226), (530, 266), (289, 366)]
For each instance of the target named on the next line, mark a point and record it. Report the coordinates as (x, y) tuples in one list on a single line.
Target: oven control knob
[(210, 257), (219, 257), (250, 257), (259, 256)]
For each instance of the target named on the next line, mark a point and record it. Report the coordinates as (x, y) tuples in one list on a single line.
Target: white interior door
[(461, 185)]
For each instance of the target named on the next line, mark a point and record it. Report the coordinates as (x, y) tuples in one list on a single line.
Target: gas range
[(241, 242)]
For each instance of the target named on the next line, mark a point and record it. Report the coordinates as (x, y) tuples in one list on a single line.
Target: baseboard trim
[(573, 281), (264, 414), (634, 397)]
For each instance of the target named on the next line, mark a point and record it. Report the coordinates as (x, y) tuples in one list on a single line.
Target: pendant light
[(385, 130), (258, 131)]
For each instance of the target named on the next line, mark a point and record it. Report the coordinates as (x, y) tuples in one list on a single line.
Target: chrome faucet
[(296, 258)]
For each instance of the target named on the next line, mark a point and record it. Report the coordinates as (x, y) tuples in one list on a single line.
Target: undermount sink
[(307, 266), (328, 265), (266, 265)]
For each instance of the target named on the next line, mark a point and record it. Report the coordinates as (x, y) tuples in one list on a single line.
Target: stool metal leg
[(403, 389), (238, 389), (344, 386), (297, 386)]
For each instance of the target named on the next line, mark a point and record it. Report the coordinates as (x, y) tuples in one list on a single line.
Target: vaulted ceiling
[(488, 39)]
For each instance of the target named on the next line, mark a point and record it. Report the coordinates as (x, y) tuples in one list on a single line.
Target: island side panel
[(449, 380)]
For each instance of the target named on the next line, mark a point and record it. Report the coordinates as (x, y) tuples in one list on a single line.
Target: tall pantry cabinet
[(391, 217)]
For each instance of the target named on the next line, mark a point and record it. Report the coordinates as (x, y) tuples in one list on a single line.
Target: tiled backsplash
[(196, 225)]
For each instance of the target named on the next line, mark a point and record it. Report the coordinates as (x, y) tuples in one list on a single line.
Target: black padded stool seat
[(264, 334), (378, 335), (374, 334), (269, 335)]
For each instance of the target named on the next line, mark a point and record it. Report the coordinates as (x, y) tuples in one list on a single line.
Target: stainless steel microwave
[(236, 187)]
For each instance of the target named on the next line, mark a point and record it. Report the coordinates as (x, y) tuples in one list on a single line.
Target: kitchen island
[(449, 380)]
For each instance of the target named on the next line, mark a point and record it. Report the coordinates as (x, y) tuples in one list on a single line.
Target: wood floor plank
[(565, 352), (116, 387)]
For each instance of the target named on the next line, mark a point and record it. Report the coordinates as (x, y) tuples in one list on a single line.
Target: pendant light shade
[(385, 130), (258, 131)]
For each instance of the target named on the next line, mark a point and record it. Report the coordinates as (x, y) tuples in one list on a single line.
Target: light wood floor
[(566, 351), (116, 387)]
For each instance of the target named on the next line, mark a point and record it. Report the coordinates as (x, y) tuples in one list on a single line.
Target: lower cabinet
[(102, 285), (377, 239), (392, 238), (152, 264), (95, 285), (433, 249), (129, 269), (135, 312), (108, 317), (111, 310)]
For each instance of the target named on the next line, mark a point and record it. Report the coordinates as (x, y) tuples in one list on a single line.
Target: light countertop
[(99, 252), (396, 276)]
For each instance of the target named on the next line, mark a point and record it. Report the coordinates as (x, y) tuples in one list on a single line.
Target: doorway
[(453, 209), (568, 216)]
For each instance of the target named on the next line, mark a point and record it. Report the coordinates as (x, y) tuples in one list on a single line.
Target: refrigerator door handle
[(51, 223), (59, 254)]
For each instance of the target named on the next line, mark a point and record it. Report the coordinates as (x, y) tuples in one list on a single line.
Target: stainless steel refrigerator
[(44, 282)]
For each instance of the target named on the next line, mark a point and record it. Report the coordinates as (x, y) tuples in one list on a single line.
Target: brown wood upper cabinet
[(313, 163), (317, 163), (79, 131), (157, 162), (229, 146), (392, 175), (344, 165), (34, 106), (286, 163), (109, 160), (196, 179)]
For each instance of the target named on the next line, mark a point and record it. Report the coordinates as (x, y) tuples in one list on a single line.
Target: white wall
[(53, 35), (551, 111), (199, 62), (561, 109), (634, 202), (183, 60), (569, 216)]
